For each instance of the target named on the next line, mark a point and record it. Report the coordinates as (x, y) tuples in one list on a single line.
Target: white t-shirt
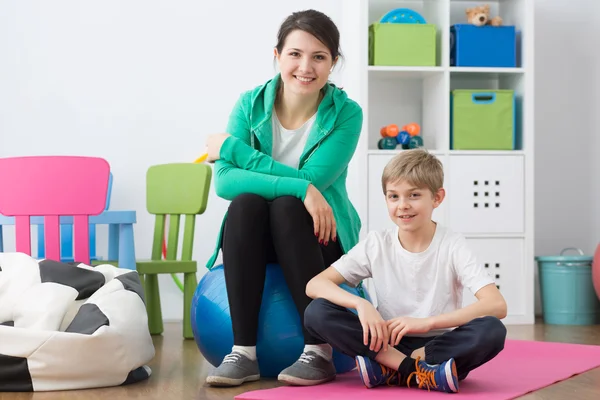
[(416, 285), (288, 144)]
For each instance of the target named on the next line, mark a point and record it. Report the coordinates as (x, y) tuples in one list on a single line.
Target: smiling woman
[(283, 163), (307, 53)]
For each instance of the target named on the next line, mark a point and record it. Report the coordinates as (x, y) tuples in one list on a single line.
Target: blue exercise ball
[(280, 340)]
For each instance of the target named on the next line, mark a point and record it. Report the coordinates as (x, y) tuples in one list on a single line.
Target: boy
[(418, 335)]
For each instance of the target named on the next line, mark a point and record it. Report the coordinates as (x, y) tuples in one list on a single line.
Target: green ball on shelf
[(415, 142), (388, 143)]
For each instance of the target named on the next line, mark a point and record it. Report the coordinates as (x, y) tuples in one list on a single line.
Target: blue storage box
[(483, 46)]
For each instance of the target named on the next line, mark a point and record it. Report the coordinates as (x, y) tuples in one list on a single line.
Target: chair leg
[(189, 286), (155, 322)]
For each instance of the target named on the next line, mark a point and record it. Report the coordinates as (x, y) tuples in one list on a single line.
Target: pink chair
[(53, 186)]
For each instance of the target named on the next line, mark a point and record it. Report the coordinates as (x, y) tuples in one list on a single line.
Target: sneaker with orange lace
[(441, 377), (374, 374)]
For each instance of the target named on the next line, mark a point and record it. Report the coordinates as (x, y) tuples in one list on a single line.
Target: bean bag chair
[(70, 326)]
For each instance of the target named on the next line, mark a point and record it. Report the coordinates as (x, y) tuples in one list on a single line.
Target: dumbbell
[(403, 138), (413, 129), (388, 143), (389, 131), (413, 143)]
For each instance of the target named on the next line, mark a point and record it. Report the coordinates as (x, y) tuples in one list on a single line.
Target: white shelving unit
[(500, 232)]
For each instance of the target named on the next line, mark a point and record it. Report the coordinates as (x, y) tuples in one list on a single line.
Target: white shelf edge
[(453, 152), (381, 152), (384, 68), (486, 70), (486, 152), (426, 69)]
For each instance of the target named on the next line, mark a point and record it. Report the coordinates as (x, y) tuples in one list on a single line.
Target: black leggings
[(258, 232)]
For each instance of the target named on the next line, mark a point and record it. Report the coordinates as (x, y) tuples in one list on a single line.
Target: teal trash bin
[(567, 291)]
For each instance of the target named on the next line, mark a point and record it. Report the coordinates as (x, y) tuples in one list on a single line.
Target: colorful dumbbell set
[(408, 137)]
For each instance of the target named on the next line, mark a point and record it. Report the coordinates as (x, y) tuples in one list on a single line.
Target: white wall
[(567, 82), (144, 82), (138, 83), (567, 104), (594, 132)]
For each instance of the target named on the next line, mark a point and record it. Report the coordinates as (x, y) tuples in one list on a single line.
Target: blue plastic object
[(483, 46), (66, 235), (403, 16), (403, 137), (567, 291), (280, 338)]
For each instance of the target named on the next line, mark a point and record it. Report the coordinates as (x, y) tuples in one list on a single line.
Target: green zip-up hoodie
[(246, 165)]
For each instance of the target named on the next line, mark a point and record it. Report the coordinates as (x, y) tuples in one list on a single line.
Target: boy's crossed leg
[(433, 363), (343, 330)]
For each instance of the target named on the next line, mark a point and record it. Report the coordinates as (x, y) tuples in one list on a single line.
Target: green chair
[(176, 190)]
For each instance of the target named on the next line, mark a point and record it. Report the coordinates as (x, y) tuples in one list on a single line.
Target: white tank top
[(288, 144)]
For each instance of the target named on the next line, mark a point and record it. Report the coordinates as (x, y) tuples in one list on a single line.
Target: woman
[(283, 164)]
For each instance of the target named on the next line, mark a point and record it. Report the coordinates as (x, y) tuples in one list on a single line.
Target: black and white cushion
[(70, 326)]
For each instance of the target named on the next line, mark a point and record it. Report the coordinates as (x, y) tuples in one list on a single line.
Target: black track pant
[(471, 345), (258, 232)]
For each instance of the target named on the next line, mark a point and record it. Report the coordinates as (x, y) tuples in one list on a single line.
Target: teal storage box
[(567, 290), (482, 120), (392, 44)]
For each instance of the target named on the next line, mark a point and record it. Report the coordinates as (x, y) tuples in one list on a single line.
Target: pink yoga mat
[(522, 367)]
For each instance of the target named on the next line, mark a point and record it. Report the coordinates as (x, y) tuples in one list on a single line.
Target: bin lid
[(567, 258)]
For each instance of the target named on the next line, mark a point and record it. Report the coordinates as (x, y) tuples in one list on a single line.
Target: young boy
[(419, 335)]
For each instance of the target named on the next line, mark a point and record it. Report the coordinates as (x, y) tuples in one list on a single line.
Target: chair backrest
[(53, 186), (66, 234), (174, 190)]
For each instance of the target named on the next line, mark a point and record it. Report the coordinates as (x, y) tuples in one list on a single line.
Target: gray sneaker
[(309, 369), (235, 369)]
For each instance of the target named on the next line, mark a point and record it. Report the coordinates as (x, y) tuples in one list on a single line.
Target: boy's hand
[(373, 323), (398, 327)]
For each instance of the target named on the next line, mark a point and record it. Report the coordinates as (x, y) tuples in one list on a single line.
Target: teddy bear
[(480, 16)]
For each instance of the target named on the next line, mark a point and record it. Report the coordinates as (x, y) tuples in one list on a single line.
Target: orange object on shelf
[(389, 130), (413, 129)]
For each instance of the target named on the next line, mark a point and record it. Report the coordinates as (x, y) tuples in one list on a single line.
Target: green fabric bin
[(397, 44), (483, 120)]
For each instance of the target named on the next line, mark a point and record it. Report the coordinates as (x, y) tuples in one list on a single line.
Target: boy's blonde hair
[(416, 166)]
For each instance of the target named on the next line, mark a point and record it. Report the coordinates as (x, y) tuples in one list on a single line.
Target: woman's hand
[(372, 323), (213, 145), (321, 213)]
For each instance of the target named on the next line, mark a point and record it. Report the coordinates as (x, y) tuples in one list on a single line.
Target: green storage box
[(483, 120), (395, 44)]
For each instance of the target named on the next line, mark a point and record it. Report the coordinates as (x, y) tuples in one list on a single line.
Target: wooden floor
[(179, 371)]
